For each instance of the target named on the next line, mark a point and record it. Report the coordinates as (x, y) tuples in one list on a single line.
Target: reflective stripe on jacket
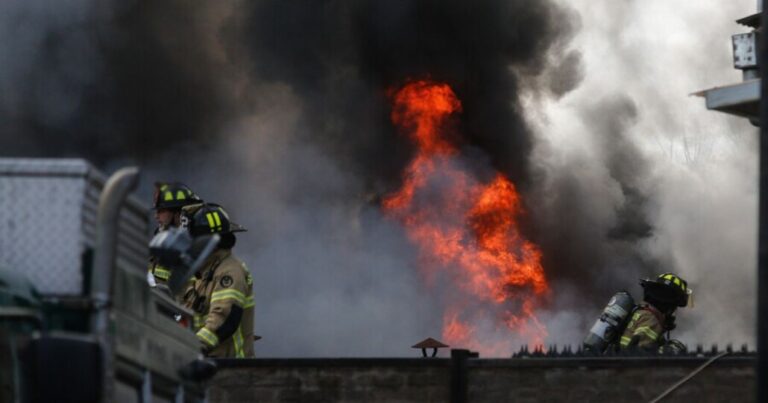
[(644, 330), (224, 315)]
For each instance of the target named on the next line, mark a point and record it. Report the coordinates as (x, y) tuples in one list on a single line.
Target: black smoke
[(591, 215), (343, 56), (131, 81), (106, 80)]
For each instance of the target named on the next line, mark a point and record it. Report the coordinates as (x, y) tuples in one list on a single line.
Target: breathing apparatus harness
[(666, 291)]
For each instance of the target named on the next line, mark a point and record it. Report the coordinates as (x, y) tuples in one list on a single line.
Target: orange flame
[(466, 231)]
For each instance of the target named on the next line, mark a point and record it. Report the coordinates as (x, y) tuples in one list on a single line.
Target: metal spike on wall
[(566, 351)]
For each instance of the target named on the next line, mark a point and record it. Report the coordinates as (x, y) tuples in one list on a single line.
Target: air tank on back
[(612, 321)]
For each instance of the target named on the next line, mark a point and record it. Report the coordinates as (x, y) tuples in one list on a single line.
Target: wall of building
[(612, 379)]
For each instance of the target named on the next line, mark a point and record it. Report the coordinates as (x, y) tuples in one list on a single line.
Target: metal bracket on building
[(741, 99)]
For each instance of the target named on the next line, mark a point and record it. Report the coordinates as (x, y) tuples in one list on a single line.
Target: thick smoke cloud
[(342, 56), (279, 110), (591, 215), (106, 80), (637, 178)]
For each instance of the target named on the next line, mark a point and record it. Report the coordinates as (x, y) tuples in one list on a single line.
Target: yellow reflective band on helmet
[(214, 221), (646, 331), (673, 279), (162, 188), (161, 273), (208, 337), (168, 196), (238, 341), (180, 195), (228, 294)]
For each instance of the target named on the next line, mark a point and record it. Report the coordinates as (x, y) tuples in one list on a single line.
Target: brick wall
[(730, 379), (610, 380)]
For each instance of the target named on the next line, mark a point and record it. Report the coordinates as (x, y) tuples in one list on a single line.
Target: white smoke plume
[(696, 169)]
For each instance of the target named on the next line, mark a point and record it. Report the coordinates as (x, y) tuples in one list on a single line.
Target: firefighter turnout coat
[(645, 329), (222, 300)]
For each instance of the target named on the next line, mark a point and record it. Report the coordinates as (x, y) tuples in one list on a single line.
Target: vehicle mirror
[(183, 255)]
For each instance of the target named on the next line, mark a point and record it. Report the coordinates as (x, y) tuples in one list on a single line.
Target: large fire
[(466, 230)]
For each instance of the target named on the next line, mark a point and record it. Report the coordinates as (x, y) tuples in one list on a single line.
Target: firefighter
[(168, 200), (221, 296), (656, 315)]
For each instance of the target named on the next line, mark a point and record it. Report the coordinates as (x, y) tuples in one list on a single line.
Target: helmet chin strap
[(176, 220)]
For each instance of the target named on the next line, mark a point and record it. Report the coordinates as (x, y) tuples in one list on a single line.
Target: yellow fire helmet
[(669, 288), (208, 218), (173, 195)]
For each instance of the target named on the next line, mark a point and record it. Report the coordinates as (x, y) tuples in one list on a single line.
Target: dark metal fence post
[(459, 372), (762, 247)]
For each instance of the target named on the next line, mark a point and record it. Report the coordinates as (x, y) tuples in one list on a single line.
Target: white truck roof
[(47, 223)]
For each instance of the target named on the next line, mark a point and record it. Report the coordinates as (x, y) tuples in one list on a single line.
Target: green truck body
[(78, 321)]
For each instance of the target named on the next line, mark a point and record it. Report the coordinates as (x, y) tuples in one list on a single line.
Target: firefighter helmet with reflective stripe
[(667, 288), (208, 218), (173, 195)]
